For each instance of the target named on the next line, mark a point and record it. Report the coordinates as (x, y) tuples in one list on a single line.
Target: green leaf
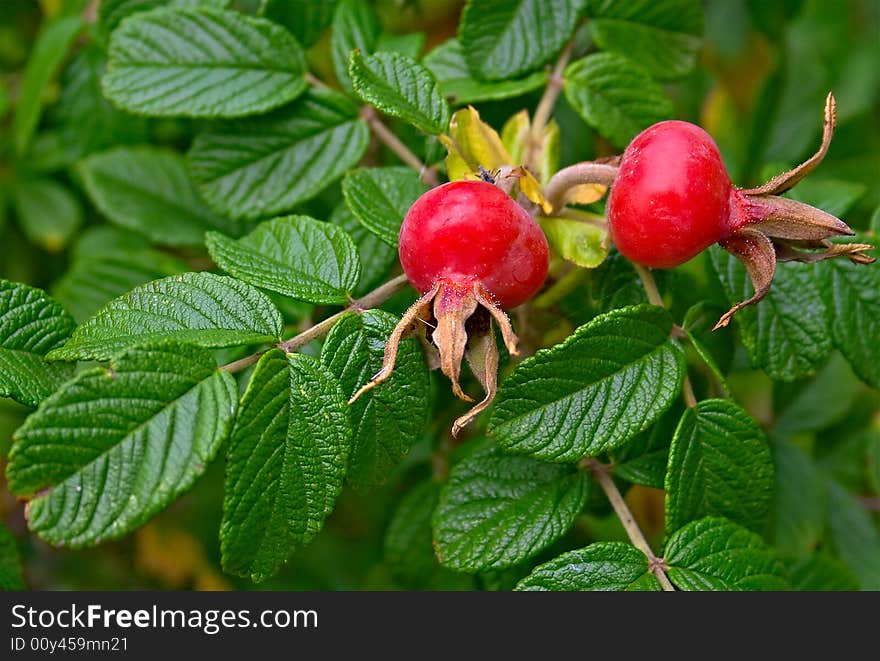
[(116, 445), (503, 39), (285, 463), (820, 571), (497, 510), (107, 263), (354, 26), (48, 213), (719, 465), (198, 308), (111, 12), (86, 121), (852, 294), (716, 554), (375, 256), (389, 418), (616, 97), (380, 198), (50, 48), (11, 576), (448, 65), (580, 243), (202, 63), (305, 19), (266, 166), (608, 381), (407, 545), (602, 566), (296, 256), (786, 334), (31, 324), (661, 35), (147, 190), (401, 87), (799, 501), (615, 284), (409, 44), (643, 460), (853, 536)]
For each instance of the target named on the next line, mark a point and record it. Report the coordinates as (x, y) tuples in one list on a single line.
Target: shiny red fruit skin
[(472, 231), (671, 199)]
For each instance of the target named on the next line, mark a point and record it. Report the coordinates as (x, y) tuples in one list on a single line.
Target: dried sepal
[(482, 357), (418, 310), (785, 181), (485, 299), (452, 308), (783, 218), (793, 251), (756, 252)]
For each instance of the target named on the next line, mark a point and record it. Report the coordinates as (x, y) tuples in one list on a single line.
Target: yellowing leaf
[(585, 193), (548, 160), (532, 190), (472, 143), (514, 134), (583, 243)]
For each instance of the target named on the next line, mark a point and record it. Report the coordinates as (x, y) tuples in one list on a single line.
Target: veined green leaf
[(46, 56), (111, 12), (285, 463), (615, 96), (202, 62), (354, 26), (407, 544), (661, 35), (296, 256), (852, 294), (380, 198), (719, 465), (599, 566), (448, 65), (786, 334), (305, 19), (147, 190), (401, 87), (580, 243), (116, 445), (389, 418), (496, 510), (198, 308), (266, 166), (608, 381), (716, 554), (503, 39), (31, 324)]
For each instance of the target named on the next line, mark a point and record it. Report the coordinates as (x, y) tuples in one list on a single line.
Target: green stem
[(555, 84), (387, 137)]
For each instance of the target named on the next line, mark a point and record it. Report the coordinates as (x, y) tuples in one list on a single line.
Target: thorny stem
[(587, 172), (387, 137), (371, 300), (599, 471), (647, 278), (545, 106)]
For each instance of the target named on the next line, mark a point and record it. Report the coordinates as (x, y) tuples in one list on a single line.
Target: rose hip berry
[(471, 231), (672, 198), (471, 251)]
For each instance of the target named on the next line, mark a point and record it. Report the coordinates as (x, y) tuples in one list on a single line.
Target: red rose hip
[(470, 232), (671, 198), (471, 251)]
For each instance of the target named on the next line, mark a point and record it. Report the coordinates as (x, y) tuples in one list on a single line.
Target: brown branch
[(587, 172), (658, 567), (379, 295), (555, 84), (387, 137)]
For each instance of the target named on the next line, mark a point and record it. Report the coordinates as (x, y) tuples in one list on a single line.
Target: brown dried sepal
[(770, 229), (462, 320)]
